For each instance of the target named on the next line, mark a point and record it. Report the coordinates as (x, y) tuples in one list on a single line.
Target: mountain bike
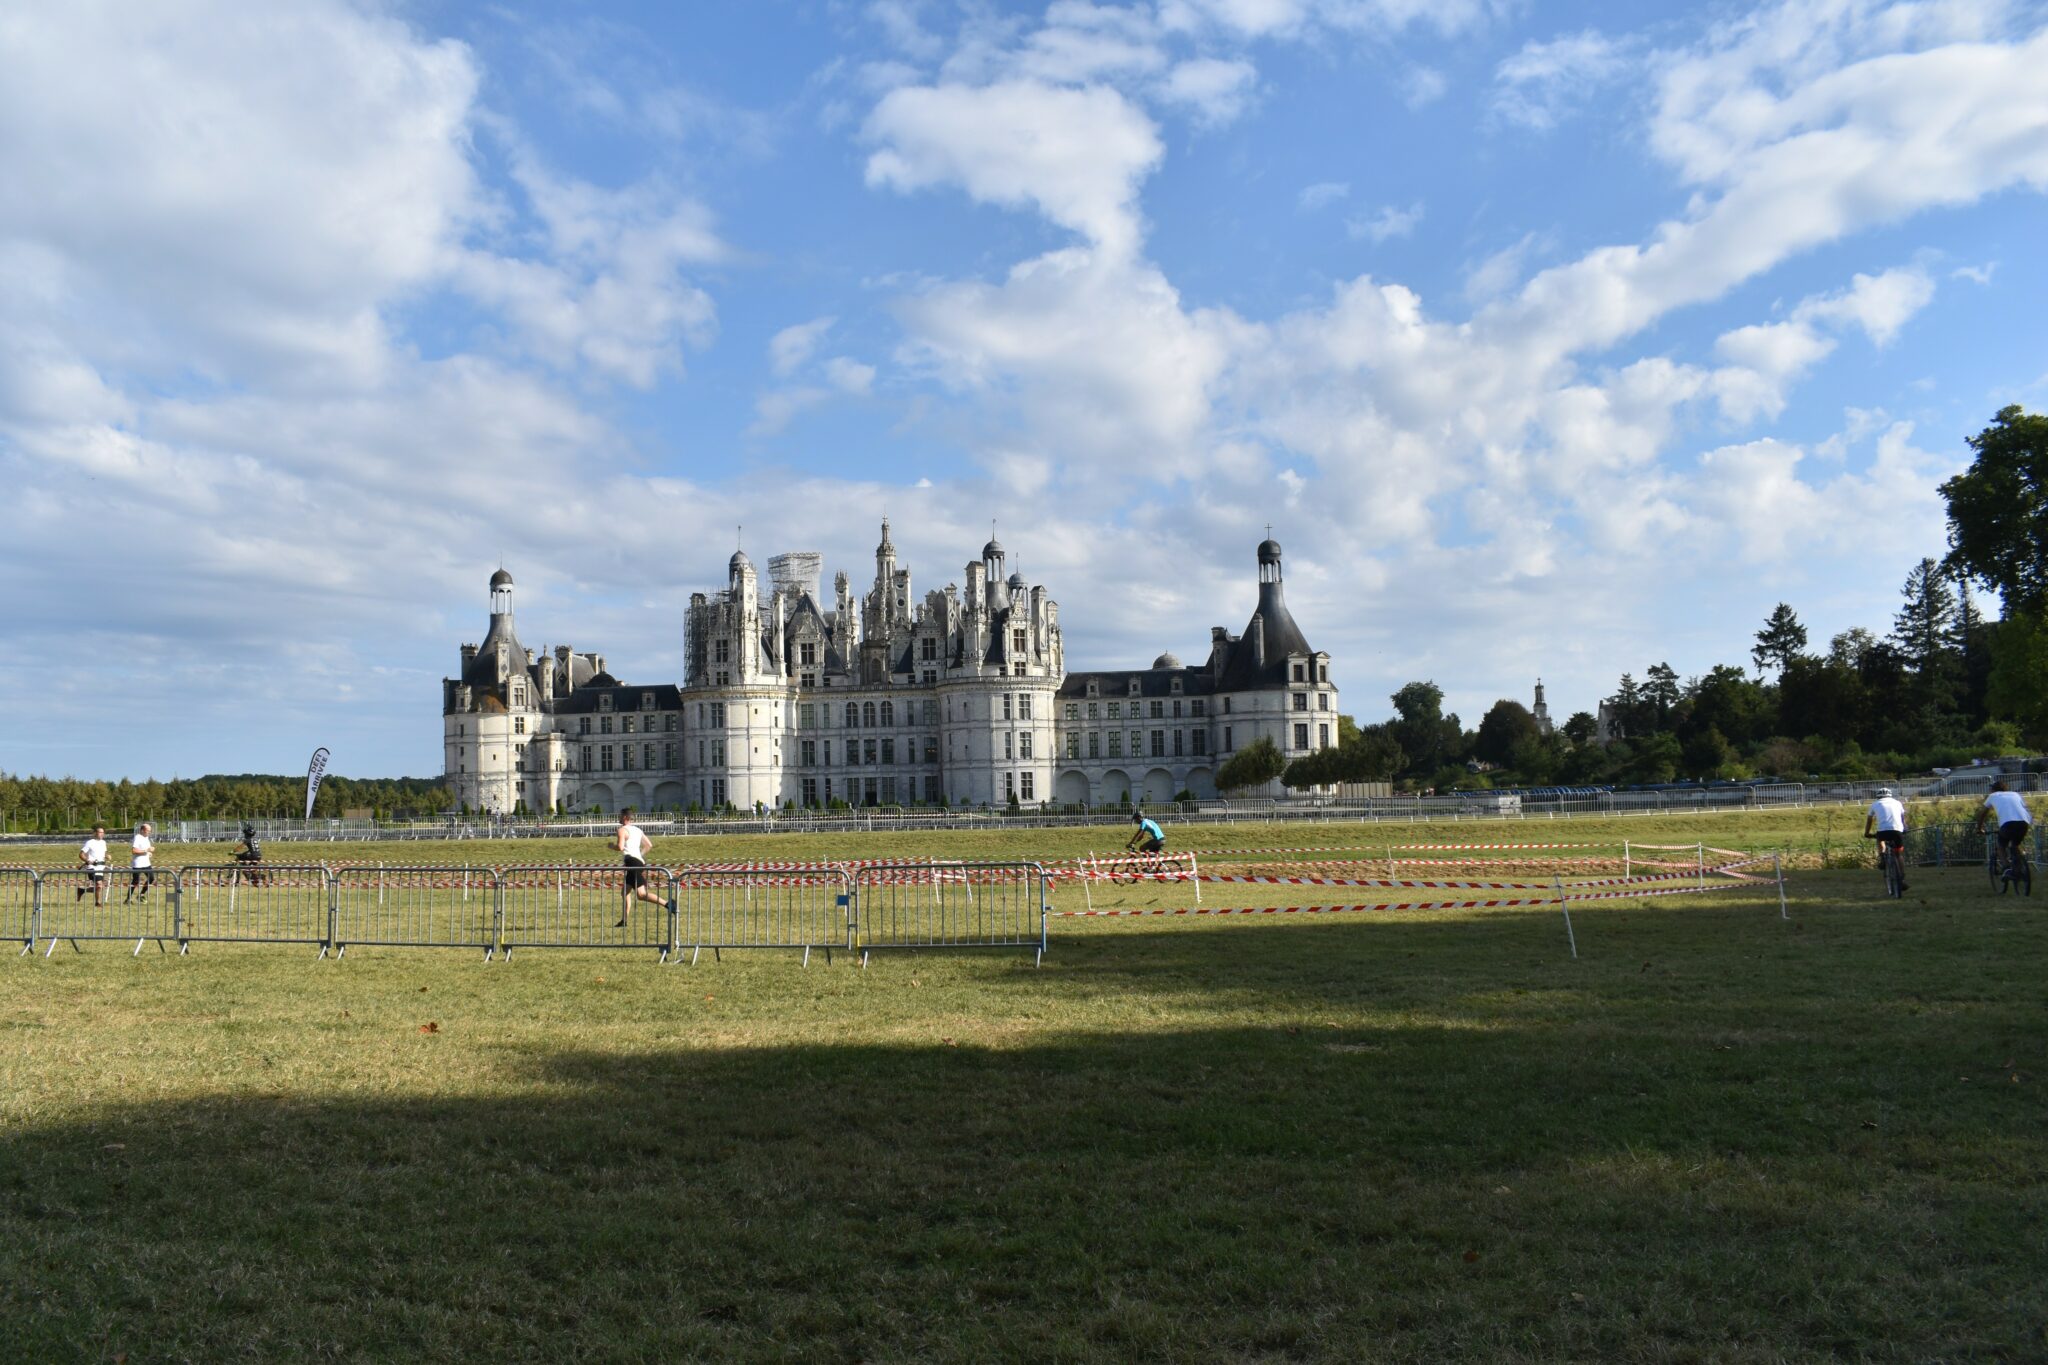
[(2009, 867), (1892, 861)]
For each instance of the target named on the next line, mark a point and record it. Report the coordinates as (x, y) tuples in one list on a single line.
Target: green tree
[(1661, 692), (1501, 729), (1256, 764), (1427, 737), (1780, 641), (1998, 510), (1582, 728), (2017, 689)]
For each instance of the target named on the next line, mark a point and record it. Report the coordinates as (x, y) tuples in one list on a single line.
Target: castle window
[(1301, 736), (807, 653), (1201, 742), (931, 711), (604, 725), (668, 754), (1132, 687), (1177, 742), (1323, 672), (1094, 745), (809, 680), (646, 701), (1198, 707), (1073, 746), (853, 715), (810, 791), (721, 651), (518, 725), (1009, 744), (670, 722), (928, 649), (1116, 743), (867, 714), (1226, 739), (867, 753), (931, 749), (1094, 690), (1018, 642), (724, 678), (1024, 744), (1322, 701), (806, 716), (888, 713), (586, 758), (718, 714), (931, 675), (1226, 706), (1159, 744), (1176, 710), (1158, 710), (1023, 706), (647, 755), (1008, 702), (1116, 710), (1073, 710), (1301, 701), (604, 757), (889, 751), (604, 703), (808, 753), (1019, 669), (626, 724), (1322, 736)]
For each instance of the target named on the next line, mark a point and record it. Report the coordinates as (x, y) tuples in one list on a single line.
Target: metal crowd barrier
[(764, 908), (586, 907), (254, 903), (950, 905), (415, 907), (67, 911), (18, 888)]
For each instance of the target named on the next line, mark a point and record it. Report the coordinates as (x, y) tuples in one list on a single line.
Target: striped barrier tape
[(1304, 909)]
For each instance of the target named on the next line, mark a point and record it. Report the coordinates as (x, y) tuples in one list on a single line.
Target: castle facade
[(882, 699)]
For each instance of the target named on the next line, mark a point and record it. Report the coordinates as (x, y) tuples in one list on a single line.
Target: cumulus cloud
[(1544, 83), (1077, 155), (791, 347), (1320, 194)]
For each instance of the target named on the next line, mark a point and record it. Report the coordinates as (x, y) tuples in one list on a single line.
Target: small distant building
[(1541, 712)]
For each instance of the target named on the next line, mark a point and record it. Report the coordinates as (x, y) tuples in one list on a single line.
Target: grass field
[(1718, 1135)]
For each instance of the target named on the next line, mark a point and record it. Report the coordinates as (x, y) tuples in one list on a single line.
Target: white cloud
[(1422, 86), (1215, 91), (1543, 84), (848, 375), (1390, 221), (791, 347), (1976, 274), (1765, 359), (1323, 192), (1077, 155)]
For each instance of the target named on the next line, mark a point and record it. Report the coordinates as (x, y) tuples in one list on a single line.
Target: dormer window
[(1094, 688), (1176, 687), (604, 703), (1134, 687), (646, 701)]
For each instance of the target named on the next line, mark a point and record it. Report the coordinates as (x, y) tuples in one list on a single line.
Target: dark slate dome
[(500, 579), (992, 550), (739, 561), (1167, 660), (1269, 552), (1017, 579)]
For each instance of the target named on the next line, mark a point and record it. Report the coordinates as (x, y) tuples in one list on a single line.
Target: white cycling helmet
[(1884, 791)]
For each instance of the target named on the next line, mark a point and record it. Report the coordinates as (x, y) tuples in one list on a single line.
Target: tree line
[(1941, 686), (32, 803)]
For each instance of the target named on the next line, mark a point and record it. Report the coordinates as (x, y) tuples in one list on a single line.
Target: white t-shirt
[(95, 851), (1889, 814), (141, 848), (2009, 806), (632, 842)]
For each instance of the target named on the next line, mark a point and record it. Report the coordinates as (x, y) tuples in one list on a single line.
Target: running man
[(1149, 838), (632, 843), (2014, 820), (1886, 823), (92, 856), (141, 862)]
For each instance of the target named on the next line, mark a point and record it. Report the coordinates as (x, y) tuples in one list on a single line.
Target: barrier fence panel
[(763, 908), (950, 905), (69, 911), (18, 907), (416, 907), (586, 907), (254, 903)]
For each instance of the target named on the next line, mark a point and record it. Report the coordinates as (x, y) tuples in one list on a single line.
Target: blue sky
[(1551, 340)]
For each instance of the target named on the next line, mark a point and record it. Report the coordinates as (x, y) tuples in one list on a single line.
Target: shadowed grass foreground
[(1717, 1136)]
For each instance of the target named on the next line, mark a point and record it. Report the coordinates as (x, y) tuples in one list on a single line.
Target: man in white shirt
[(633, 844), (141, 862), (1886, 823), (2014, 819), (92, 856)]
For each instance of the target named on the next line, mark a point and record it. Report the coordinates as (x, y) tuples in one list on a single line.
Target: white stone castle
[(962, 698)]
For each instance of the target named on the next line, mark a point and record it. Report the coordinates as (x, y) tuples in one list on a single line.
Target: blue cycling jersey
[(1151, 830)]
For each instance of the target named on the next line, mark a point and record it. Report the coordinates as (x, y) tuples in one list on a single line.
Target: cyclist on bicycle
[(1886, 823), (1148, 838), (2014, 820)]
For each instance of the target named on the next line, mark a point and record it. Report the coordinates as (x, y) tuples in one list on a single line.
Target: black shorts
[(1152, 846), (636, 874), (1891, 838), (2013, 833)]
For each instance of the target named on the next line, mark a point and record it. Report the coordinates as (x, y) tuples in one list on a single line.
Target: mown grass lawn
[(1718, 1135)]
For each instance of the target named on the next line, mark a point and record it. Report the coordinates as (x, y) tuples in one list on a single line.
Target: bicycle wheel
[(1894, 874), (2025, 867)]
